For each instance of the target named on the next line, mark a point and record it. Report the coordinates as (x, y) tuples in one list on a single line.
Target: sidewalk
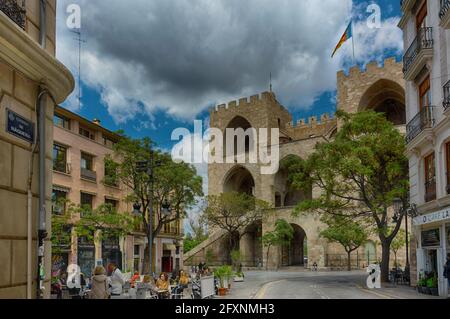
[(397, 292)]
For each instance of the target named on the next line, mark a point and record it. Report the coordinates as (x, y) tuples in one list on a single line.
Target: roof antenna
[(270, 82), (80, 42)]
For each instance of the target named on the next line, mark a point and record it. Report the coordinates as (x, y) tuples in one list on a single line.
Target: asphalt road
[(314, 285)]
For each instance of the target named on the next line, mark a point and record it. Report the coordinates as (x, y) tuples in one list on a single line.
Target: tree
[(398, 243), (102, 223), (347, 233), (359, 175), (280, 236), (233, 213), (175, 183), (195, 236)]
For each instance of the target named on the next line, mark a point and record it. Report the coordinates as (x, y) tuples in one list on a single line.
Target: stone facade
[(25, 66), (379, 87)]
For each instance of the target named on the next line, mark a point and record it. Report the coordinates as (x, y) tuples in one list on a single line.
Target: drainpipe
[(42, 233), (42, 229), (43, 23)]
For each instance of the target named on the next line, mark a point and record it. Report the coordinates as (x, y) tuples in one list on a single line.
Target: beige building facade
[(80, 177), (426, 31), (31, 82), (380, 88)]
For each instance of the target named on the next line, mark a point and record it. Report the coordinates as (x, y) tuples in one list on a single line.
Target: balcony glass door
[(425, 94), (421, 18)]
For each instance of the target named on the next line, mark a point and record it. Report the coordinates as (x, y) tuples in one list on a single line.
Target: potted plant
[(432, 285), (223, 273), (421, 285), (237, 266)]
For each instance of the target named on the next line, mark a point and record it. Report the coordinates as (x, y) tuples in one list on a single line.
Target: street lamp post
[(409, 211), (148, 167)]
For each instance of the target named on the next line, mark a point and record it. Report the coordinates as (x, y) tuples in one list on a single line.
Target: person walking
[(117, 280), (99, 289)]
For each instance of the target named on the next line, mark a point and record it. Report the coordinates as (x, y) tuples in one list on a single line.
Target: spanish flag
[(346, 36)]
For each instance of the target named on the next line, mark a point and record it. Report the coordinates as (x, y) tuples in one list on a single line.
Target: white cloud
[(181, 56)]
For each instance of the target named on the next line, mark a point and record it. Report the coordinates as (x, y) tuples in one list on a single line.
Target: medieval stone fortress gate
[(380, 88)]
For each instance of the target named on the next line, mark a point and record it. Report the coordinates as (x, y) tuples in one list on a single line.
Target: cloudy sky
[(150, 66)]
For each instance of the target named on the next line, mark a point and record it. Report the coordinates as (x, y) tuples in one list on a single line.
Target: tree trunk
[(267, 259), (386, 252), (349, 261)]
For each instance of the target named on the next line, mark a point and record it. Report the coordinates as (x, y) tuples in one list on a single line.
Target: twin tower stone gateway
[(380, 88)]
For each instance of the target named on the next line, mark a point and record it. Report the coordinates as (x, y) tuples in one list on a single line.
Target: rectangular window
[(61, 121), (108, 142), (425, 93), (87, 200), (59, 199), (59, 158), (430, 178), (86, 133), (87, 162), (113, 203)]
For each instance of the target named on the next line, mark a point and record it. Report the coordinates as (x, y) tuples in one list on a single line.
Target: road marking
[(385, 296), (262, 292)]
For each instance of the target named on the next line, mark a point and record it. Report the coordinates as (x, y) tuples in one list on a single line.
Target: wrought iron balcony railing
[(446, 102), (423, 40), (89, 175), (14, 11), (419, 123), (430, 190), (445, 6)]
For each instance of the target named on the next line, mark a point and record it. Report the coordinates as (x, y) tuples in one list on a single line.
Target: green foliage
[(196, 236), (432, 282), (236, 259), (347, 233), (111, 177), (359, 175), (280, 236), (177, 183), (61, 233), (224, 273), (233, 212), (102, 223), (399, 241)]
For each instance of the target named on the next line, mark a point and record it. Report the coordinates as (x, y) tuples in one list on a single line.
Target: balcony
[(14, 11), (420, 123), (444, 14), (446, 102), (430, 191), (417, 55), (88, 175)]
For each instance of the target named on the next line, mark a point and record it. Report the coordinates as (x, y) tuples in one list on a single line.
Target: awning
[(169, 247), (61, 189)]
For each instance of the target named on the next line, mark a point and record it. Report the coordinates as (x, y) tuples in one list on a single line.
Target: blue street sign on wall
[(19, 126)]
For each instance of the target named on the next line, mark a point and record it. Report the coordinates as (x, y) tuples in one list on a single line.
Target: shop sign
[(433, 217), (431, 238)]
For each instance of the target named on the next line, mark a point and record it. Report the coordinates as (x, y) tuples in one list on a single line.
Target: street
[(310, 285)]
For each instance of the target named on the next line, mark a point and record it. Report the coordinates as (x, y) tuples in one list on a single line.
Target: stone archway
[(251, 246), (239, 180), (388, 97), (294, 254), (238, 122)]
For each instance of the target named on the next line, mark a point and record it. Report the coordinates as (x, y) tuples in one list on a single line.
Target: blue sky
[(158, 113)]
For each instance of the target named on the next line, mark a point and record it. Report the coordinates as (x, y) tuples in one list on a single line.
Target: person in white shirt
[(116, 280)]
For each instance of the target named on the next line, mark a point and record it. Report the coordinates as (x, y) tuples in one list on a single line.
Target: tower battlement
[(247, 101), (312, 121), (371, 68)]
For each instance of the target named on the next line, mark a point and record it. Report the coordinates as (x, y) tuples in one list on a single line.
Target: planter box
[(238, 279), (427, 291), (435, 292)]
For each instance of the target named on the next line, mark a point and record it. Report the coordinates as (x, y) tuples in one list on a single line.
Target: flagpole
[(353, 43)]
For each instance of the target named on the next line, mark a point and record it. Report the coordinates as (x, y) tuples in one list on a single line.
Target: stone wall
[(18, 92)]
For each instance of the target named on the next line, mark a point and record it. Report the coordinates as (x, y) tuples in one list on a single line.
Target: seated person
[(183, 279), (162, 284), (136, 277)]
